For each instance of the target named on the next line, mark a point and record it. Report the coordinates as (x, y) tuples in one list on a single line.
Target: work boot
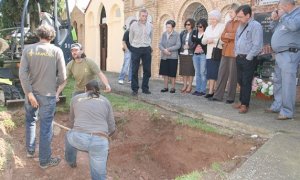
[(243, 109)]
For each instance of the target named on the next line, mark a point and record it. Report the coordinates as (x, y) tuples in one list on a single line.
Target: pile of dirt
[(143, 148)]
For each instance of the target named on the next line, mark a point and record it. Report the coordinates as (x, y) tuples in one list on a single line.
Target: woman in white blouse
[(211, 37)]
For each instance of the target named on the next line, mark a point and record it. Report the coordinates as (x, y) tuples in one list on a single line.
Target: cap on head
[(76, 46)]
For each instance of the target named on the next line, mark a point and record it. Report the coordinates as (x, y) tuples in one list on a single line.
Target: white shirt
[(214, 34)]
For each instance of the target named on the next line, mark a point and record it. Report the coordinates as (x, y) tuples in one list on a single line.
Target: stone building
[(78, 23), (104, 21)]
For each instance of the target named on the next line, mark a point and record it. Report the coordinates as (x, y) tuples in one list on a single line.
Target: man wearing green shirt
[(82, 70)]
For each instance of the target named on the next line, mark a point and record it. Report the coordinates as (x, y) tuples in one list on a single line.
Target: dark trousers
[(245, 73), (137, 54)]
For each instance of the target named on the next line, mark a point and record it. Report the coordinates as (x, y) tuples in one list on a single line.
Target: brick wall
[(178, 10)]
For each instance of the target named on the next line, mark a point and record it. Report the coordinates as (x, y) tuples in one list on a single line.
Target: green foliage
[(195, 175), (9, 125), (3, 108), (218, 169), (11, 11), (196, 123)]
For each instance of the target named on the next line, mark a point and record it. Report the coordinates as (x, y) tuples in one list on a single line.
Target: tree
[(11, 17)]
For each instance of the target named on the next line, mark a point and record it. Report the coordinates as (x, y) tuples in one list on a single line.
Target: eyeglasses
[(187, 24), (200, 26)]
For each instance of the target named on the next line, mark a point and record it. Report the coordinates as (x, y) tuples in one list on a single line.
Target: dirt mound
[(144, 147)]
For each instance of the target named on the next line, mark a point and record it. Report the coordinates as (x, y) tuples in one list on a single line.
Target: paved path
[(279, 158)]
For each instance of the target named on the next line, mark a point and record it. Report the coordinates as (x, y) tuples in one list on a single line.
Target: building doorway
[(196, 11), (103, 40)]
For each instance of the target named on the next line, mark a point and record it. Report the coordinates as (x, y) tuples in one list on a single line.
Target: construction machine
[(13, 40)]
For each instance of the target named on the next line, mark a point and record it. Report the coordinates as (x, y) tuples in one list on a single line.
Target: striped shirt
[(140, 35)]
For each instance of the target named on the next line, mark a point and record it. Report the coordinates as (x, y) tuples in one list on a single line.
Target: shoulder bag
[(216, 53)]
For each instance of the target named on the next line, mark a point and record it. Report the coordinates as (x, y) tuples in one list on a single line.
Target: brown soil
[(144, 147)]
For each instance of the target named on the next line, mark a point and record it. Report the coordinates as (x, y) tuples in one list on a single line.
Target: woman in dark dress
[(169, 45)]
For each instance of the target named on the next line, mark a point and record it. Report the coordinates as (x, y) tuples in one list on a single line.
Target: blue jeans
[(45, 113), (199, 62), (285, 83), (96, 146), (127, 67)]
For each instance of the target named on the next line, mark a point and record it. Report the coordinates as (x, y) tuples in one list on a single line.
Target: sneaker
[(196, 93), (73, 165), (121, 81), (202, 93), (129, 82), (30, 154), (54, 161)]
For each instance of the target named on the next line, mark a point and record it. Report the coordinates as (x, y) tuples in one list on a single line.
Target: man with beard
[(83, 70)]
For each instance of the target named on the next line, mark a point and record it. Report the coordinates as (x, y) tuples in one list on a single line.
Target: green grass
[(9, 124), (195, 175), (68, 90), (119, 102), (196, 123), (6, 153), (218, 169), (3, 108)]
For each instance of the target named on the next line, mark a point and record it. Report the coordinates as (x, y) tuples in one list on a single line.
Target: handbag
[(216, 53)]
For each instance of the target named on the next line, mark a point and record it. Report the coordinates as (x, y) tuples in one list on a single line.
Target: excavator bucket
[(15, 103)]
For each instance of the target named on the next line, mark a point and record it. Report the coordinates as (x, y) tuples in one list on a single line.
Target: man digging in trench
[(93, 124)]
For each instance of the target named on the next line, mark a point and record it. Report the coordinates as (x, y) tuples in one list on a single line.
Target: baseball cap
[(76, 45)]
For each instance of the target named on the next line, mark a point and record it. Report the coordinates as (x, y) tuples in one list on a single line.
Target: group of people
[(241, 41), (43, 75)]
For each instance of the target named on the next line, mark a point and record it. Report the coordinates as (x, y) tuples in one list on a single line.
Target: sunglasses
[(200, 26), (187, 24)]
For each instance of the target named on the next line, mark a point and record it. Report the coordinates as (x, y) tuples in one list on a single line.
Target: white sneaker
[(129, 82), (121, 81)]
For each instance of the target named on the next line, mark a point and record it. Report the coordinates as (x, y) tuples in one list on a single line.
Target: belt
[(242, 55), (294, 50), (199, 53), (101, 134)]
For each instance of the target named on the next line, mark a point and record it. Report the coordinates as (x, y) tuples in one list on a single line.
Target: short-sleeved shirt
[(82, 72)]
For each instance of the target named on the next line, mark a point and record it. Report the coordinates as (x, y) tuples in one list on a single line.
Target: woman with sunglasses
[(199, 58), (186, 67), (212, 39)]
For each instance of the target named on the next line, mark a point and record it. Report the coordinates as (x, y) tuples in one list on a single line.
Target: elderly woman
[(199, 58), (169, 45), (186, 67), (227, 70), (211, 37)]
